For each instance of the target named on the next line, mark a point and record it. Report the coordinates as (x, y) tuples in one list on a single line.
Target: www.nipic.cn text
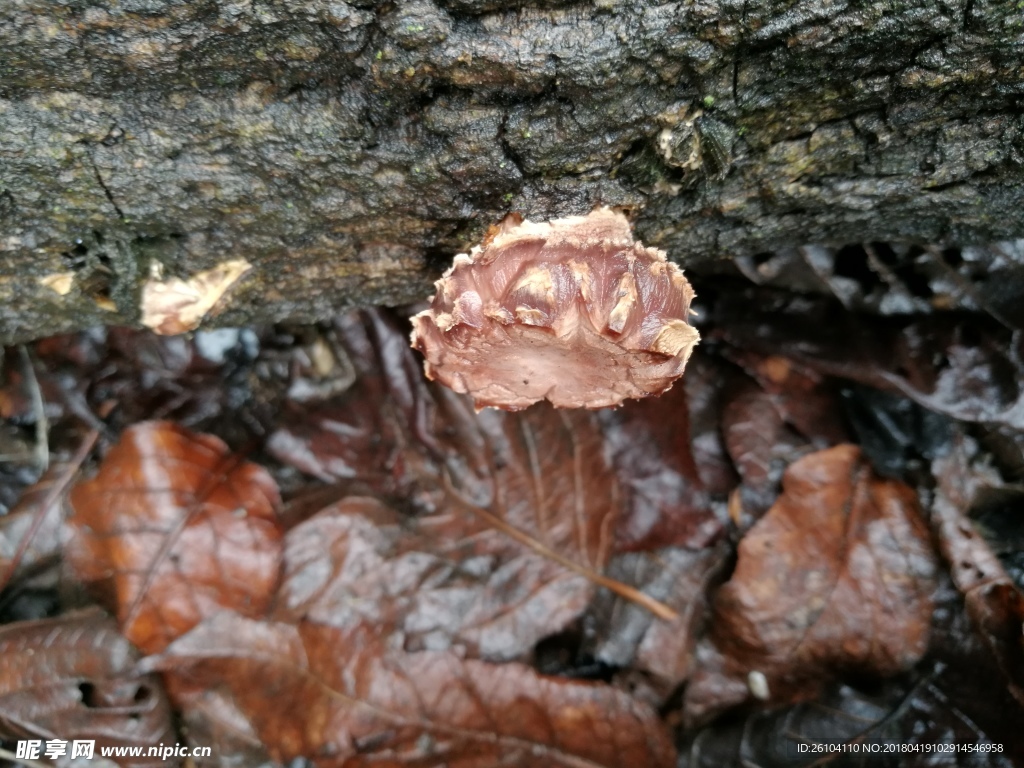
[(36, 749)]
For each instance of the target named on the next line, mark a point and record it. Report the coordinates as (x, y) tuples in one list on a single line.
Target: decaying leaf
[(664, 502), (760, 443), (177, 528), (533, 495), (969, 370), (843, 724), (175, 306), (211, 719), (703, 384), (839, 574), (74, 677), (32, 533), (623, 635), (506, 559), (388, 433), (807, 401), (994, 603), (346, 699)]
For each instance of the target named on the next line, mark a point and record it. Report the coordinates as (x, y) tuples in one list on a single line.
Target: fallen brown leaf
[(74, 677), (529, 501), (969, 370), (804, 399), (924, 715), (839, 574), (759, 442), (178, 528), (993, 601), (664, 500), (623, 635), (347, 699), (457, 576), (703, 383)]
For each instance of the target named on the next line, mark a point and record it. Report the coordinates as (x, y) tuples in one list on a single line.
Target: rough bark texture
[(347, 150)]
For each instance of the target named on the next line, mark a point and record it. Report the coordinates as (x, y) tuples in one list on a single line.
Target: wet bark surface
[(347, 150)]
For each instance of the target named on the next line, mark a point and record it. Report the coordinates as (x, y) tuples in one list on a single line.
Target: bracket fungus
[(573, 310)]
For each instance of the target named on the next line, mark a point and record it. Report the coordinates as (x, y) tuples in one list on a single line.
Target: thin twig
[(42, 426), (52, 495)]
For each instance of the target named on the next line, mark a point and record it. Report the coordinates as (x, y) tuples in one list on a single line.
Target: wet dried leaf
[(968, 369), (993, 601), (177, 528), (74, 677), (346, 699), (623, 635), (388, 433), (805, 400), (839, 574), (202, 381), (898, 436), (210, 719), (664, 501), (525, 503), (924, 715), (495, 570), (760, 444), (769, 420), (31, 533), (703, 384)]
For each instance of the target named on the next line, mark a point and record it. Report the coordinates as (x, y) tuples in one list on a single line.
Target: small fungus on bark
[(175, 306), (573, 310)]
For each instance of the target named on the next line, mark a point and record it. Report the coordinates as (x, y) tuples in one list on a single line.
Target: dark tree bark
[(347, 150)]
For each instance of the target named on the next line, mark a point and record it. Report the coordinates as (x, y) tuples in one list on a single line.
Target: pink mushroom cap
[(574, 311)]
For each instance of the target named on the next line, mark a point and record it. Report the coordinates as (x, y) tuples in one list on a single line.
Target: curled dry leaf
[(175, 306), (664, 500), (703, 385), (346, 699), (838, 574), (573, 311), (760, 443), (74, 677), (994, 603), (177, 528)]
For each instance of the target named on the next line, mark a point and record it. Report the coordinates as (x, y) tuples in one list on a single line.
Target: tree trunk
[(347, 150)]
